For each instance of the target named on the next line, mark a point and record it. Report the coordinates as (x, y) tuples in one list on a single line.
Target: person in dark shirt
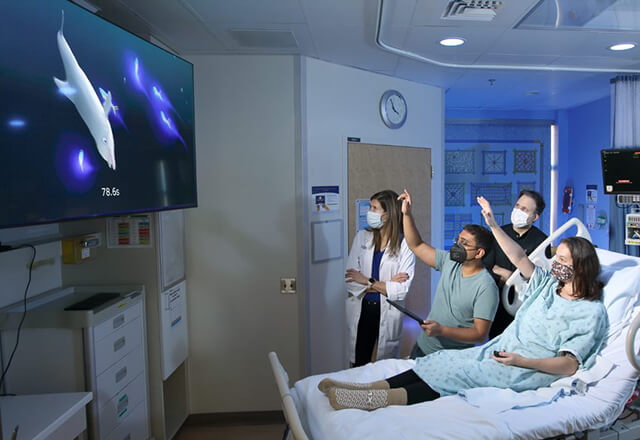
[(526, 211)]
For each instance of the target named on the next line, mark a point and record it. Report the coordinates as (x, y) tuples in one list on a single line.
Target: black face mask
[(458, 253)]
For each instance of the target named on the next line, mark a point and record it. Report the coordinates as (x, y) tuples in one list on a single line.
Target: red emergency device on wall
[(567, 200)]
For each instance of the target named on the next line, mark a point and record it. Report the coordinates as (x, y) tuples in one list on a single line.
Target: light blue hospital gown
[(545, 325)]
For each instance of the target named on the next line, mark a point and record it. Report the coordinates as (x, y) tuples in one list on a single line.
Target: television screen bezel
[(135, 211)]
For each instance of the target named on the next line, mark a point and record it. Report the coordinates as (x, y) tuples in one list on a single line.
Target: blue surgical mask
[(374, 219)]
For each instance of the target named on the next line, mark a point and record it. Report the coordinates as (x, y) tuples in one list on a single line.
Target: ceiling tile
[(399, 13), (339, 12), (248, 11), (538, 42), (597, 43), (427, 73), (395, 36), (574, 91), (175, 25), (597, 62), (163, 12), (517, 60), (189, 37), (424, 40), (352, 46), (557, 90), (300, 32)]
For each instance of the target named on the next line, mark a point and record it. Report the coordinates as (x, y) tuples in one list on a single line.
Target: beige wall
[(125, 266), (242, 237)]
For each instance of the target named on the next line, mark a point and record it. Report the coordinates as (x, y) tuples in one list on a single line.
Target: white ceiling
[(344, 32)]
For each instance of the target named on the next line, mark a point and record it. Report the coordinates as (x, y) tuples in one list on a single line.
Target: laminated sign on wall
[(132, 231), (175, 340), (325, 199)]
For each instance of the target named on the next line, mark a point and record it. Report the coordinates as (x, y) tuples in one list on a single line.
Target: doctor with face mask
[(526, 211), (380, 266)]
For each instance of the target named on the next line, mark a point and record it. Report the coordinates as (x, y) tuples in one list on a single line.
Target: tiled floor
[(253, 432)]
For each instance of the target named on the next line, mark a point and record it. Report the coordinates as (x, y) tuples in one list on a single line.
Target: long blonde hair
[(393, 208)]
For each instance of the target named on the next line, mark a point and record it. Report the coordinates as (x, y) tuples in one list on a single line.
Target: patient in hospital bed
[(560, 327)]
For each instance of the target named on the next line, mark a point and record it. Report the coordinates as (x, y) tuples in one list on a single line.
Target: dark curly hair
[(586, 268), (483, 237)]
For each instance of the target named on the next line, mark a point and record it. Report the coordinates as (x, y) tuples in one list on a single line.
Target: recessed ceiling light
[(623, 46), (452, 42)]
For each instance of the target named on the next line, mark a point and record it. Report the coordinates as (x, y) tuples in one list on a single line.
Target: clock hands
[(393, 107)]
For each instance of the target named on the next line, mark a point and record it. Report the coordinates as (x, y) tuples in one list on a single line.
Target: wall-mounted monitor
[(94, 121), (621, 171)]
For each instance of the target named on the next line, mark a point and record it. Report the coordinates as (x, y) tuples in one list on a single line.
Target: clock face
[(396, 109), (393, 109)]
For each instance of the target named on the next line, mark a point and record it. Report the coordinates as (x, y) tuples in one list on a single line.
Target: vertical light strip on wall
[(553, 216)]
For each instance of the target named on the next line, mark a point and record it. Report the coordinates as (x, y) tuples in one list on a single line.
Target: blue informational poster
[(362, 207), (325, 199)]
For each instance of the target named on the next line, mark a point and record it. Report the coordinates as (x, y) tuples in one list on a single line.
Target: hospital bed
[(589, 414)]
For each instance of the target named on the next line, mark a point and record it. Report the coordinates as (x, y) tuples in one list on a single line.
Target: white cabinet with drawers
[(115, 370), (96, 330)]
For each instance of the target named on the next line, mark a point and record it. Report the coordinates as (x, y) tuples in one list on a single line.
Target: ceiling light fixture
[(622, 46), (452, 42)]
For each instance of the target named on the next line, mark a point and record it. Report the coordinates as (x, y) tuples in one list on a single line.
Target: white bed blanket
[(498, 400), (453, 418), (447, 418)]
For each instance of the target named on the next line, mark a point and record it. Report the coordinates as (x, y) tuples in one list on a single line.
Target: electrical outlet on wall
[(287, 285)]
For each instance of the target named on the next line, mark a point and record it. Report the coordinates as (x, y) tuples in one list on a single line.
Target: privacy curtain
[(625, 133)]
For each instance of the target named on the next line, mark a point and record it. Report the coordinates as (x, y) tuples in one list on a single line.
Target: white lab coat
[(361, 258)]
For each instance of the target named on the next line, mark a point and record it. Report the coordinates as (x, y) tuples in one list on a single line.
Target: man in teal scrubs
[(466, 297)]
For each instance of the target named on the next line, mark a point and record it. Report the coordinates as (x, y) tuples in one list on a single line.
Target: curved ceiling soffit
[(414, 56)]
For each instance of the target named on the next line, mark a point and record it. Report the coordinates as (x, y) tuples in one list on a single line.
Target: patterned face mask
[(561, 272)]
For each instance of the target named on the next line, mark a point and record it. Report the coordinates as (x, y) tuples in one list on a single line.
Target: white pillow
[(621, 293)]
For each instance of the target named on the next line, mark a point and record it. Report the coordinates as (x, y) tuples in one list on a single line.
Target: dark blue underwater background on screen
[(51, 168)]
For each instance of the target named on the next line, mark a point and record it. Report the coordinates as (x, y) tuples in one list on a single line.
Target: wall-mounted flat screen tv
[(94, 121), (621, 171)]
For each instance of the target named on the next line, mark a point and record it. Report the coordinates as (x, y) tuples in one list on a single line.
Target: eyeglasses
[(462, 242)]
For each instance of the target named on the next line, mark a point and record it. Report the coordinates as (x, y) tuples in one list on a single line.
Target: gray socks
[(326, 384), (340, 398)]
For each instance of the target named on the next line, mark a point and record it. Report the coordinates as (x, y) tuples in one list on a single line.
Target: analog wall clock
[(393, 109)]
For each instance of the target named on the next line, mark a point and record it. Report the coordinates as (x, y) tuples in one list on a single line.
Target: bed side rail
[(538, 258), (288, 405), (632, 355)]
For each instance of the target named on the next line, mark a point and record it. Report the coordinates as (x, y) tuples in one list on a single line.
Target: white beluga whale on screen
[(81, 93)]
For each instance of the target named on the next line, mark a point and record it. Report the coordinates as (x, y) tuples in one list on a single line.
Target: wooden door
[(372, 168)]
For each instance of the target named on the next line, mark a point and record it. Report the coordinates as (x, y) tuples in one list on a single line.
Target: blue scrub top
[(375, 274)]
